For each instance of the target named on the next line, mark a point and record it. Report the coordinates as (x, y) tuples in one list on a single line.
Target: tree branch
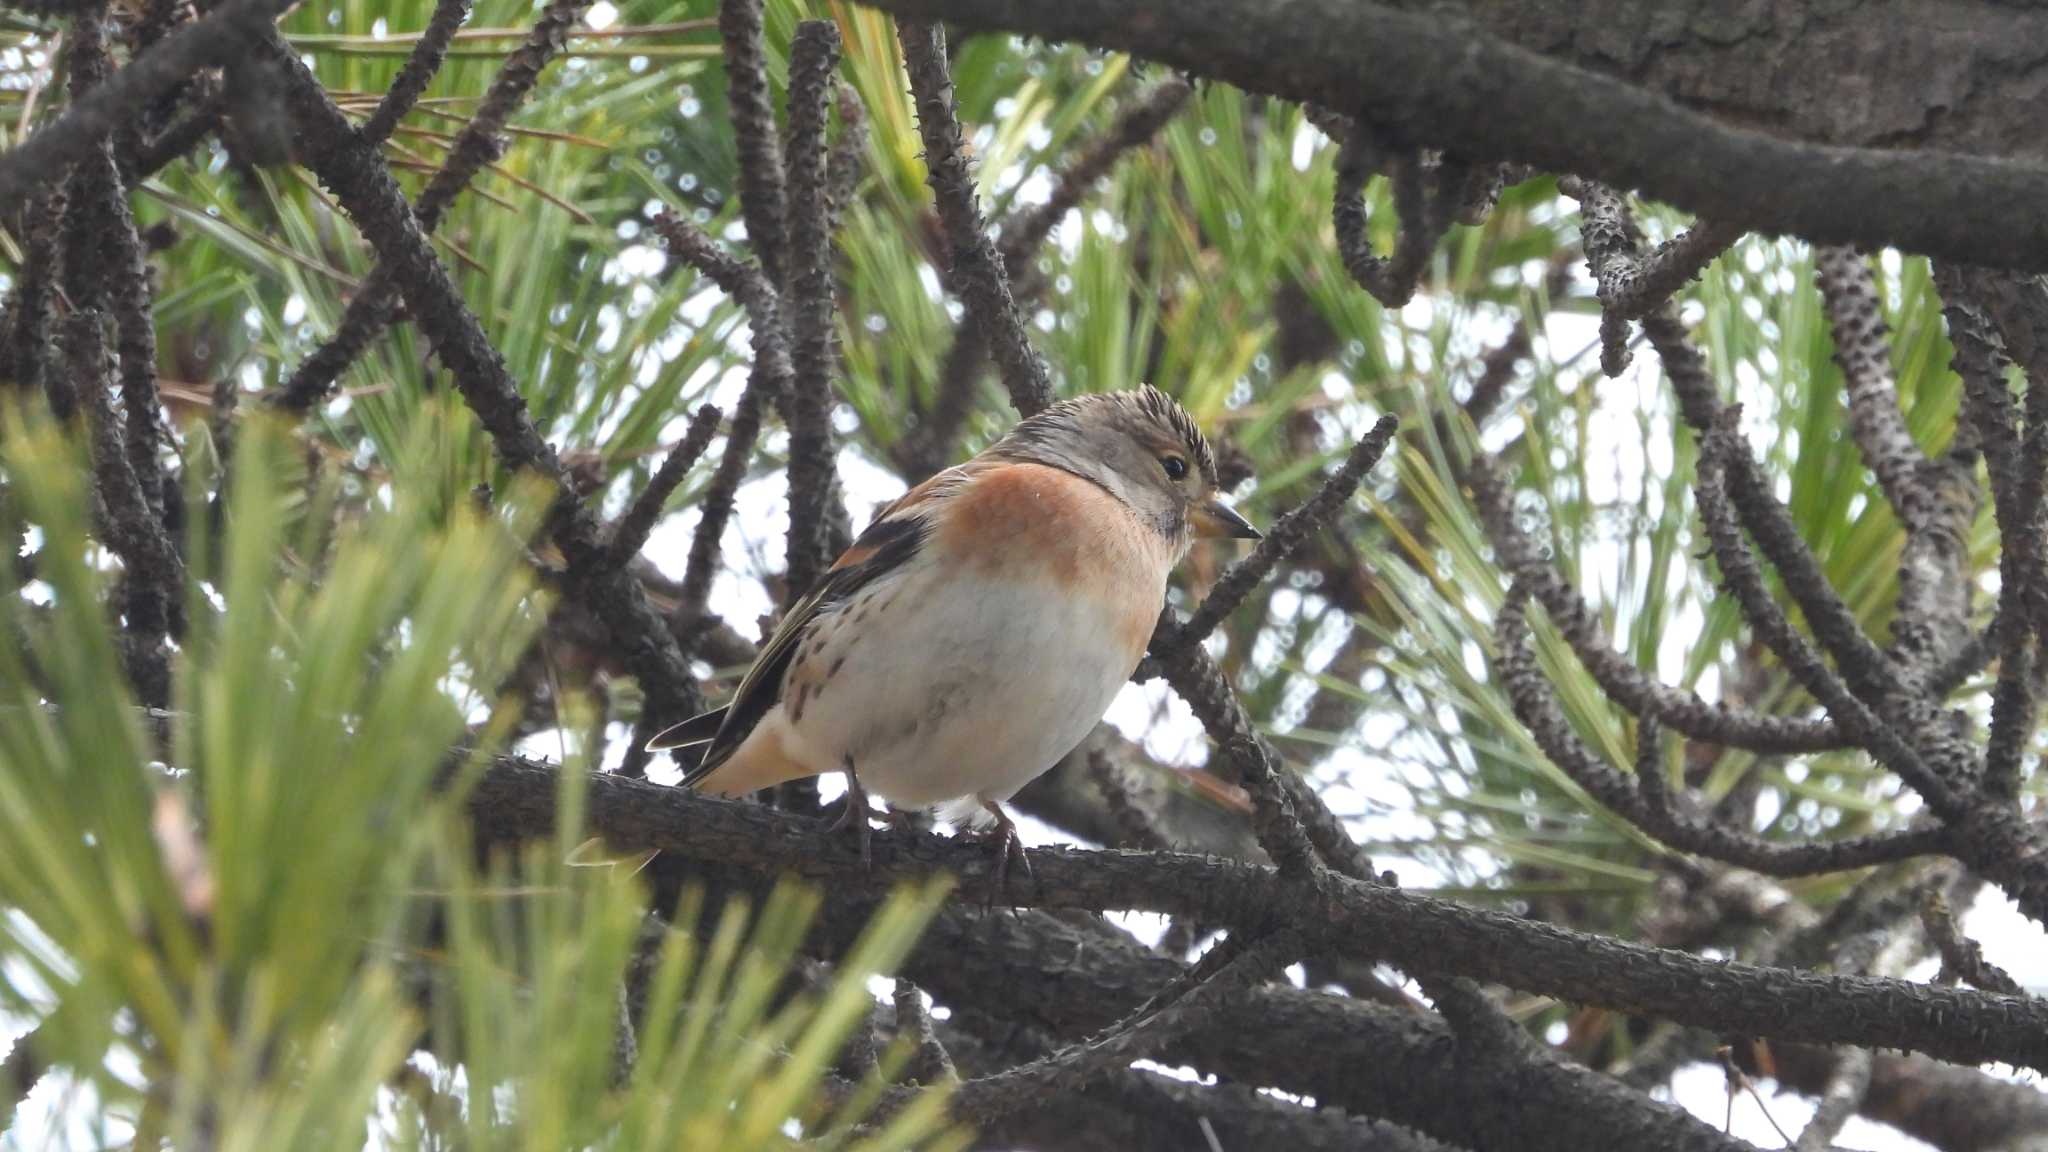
[(477, 145), (227, 33), (515, 800), (1444, 82), (419, 71), (976, 275), (812, 475)]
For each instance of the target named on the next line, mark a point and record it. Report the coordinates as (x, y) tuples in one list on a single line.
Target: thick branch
[(1446, 83), (228, 32), (1419, 933)]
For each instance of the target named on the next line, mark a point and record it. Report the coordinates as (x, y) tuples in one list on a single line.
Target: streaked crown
[(1145, 414)]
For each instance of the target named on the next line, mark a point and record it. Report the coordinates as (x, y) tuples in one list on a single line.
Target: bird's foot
[(854, 815), (1003, 834)]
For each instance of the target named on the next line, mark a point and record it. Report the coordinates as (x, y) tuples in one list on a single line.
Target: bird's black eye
[(1176, 468)]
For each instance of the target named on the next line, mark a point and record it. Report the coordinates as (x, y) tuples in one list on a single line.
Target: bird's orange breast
[(1023, 521)]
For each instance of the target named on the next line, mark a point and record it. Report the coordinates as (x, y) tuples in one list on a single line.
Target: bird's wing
[(888, 544)]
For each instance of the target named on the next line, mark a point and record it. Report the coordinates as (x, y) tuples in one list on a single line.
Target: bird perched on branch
[(982, 624)]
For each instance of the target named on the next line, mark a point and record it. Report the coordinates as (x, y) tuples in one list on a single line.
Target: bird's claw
[(854, 814), (1007, 842)]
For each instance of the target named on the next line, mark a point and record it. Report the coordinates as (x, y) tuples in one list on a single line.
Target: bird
[(979, 627)]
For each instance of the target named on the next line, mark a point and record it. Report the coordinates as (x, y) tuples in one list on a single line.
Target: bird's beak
[(1214, 521)]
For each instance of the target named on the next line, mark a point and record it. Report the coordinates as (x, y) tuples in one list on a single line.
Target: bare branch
[(477, 145), (630, 533), (1839, 1101), (1229, 968), (1441, 80), (812, 476), (419, 71), (1669, 267), (1027, 228), (931, 445), (226, 33), (1740, 572), (1961, 957), (769, 379), (976, 274), (1642, 800), (1618, 676), (1419, 933), (154, 573), (350, 168), (1850, 297), (1420, 195), (1282, 540), (754, 134), (849, 155), (930, 1063)]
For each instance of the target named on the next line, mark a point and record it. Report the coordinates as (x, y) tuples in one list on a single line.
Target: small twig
[(30, 313), (630, 533), (1025, 231), (105, 254), (1961, 957), (1934, 589), (1418, 202), (809, 291), (848, 161), (1864, 354), (419, 70), (177, 139), (1607, 233), (1273, 820), (154, 572), (353, 171), (689, 244), (1650, 281), (931, 446), (1229, 969), (1136, 825), (976, 274), (2017, 455), (1839, 1101), (753, 129), (1194, 676), (1282, 540), (930, 1063)]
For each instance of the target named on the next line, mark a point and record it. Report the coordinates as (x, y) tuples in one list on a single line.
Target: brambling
[(982, 624)]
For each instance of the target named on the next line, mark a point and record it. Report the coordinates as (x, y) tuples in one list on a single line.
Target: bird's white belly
[(967, 688)]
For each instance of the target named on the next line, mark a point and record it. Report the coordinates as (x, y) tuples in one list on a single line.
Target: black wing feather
[(696, 730), (890, 543)]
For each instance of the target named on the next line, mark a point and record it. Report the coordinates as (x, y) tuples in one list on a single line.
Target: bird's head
[(1144, 449)]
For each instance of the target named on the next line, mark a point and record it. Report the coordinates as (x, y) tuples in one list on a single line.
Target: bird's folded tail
[(760, 761), (698, 729)]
